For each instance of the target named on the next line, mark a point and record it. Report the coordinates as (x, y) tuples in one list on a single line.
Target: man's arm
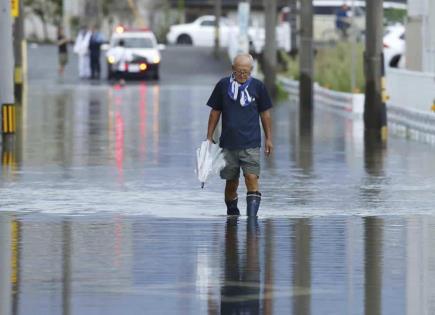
[(266, 122), (62, 41), (212, 123)]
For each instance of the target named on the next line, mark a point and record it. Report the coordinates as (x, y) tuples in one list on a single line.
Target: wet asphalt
[(101, 212)]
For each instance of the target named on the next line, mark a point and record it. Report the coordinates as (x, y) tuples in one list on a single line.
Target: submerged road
[(100, 210)]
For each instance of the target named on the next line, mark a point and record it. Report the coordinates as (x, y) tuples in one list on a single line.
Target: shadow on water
[(301, 142)]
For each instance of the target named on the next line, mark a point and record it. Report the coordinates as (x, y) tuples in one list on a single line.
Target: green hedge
[(332, 67)]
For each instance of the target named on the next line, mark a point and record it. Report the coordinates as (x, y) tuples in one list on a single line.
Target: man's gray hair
[(249, 56)]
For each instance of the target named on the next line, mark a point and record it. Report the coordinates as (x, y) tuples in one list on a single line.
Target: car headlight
[(156, 59)]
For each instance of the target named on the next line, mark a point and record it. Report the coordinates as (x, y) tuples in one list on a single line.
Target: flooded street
[(101, 211)]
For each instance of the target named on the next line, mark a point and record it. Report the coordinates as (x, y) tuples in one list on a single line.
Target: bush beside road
[(332, 67)]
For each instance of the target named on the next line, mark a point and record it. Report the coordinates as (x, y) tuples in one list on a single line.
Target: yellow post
[(385, 98), (8, 119)]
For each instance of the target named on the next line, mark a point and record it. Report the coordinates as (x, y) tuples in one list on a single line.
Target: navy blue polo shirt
[(240, 124)]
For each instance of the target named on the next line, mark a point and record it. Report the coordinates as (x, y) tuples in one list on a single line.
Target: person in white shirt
[(81, 48), (121, 56)]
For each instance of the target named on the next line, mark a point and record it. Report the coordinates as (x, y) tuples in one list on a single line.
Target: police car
[(133, 52)]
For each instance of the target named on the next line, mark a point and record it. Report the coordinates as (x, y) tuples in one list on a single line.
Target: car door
[(205, 33)]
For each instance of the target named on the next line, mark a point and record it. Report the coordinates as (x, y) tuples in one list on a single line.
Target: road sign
[(15, 8)]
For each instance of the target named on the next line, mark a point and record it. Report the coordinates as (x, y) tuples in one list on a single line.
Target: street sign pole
[(270, 50), (306, 59), (217, 36), (18, 49), (243, 17), (6, 68), (375, 121), (293, 26)]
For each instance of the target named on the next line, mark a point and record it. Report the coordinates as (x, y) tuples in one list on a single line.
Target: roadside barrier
[(348, 102), (403, 121)]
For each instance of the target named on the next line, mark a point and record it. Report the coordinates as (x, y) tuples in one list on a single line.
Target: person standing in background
[(81, 48), (342, 20), (95, 50), (62, 44)]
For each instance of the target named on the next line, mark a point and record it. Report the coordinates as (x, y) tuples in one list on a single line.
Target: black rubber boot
[(253, 199), (232, 207)]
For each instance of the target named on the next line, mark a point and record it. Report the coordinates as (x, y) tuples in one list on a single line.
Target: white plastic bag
[(209, 160)]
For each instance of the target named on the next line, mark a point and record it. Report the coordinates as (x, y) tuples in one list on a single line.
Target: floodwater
[(101, 211)]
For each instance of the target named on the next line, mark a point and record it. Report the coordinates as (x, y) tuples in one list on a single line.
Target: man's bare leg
[(231, 197)]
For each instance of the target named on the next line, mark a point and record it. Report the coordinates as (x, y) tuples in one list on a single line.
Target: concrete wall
[(420, 36), (429, 38), (411, 89), (414, 44)]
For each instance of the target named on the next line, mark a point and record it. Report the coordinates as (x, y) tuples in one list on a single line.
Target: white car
[(142, 49), (394, 46), (200, 32)]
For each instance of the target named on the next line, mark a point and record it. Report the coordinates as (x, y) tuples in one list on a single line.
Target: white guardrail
[(406, 121), (347, 102)]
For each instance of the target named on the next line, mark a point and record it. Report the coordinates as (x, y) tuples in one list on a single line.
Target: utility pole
[(181, 11), (353, 34), (218, 13), (306, 56), (6, 68), (293, 26), (18, 52), (375, 117), (269, 59)]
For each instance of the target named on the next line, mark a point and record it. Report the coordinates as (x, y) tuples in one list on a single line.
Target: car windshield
[(135, 42)]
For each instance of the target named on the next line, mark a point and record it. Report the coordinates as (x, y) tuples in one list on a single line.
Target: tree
[(49, 11)]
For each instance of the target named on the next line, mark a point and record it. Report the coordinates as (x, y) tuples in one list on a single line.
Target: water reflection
[(301, 141), (240, 293), (287, 266), (374, 154), (373, 228), (302, 267), (303, 150), (375, 180), (66, 267), (9, 154), (143, 113), (9, 261)]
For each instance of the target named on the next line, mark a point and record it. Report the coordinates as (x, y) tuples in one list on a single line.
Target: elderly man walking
[(242, 101)]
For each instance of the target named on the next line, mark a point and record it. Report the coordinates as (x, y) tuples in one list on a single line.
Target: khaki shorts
[(63, 59), (247, 159)]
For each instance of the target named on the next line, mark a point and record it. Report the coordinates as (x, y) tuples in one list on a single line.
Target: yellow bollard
[(385, 96), (8, 119)]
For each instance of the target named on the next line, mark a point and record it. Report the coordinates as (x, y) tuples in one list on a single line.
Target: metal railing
[(408, 121)]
